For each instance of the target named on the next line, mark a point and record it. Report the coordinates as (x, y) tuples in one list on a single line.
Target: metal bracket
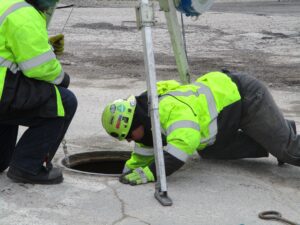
[(176, 39), (164, 5), (144, 15)]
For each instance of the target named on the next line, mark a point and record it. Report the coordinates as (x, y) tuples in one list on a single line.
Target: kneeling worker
[(33, 91), (221, 115)]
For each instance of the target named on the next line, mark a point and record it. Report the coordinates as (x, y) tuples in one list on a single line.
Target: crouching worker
[(33, 91), (221, 115)]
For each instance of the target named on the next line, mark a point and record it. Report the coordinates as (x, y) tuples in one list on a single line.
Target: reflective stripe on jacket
[(24, 47), (188, 113), (140, 157)]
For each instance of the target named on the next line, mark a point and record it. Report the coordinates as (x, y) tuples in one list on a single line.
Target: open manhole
[(104, 163)]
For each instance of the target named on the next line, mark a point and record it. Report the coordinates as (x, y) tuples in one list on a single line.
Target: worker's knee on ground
[(206, 154), (4, 162), (291, 157), (294, 151), (260, 152), (3, 166), (212, 154), (293, 147)]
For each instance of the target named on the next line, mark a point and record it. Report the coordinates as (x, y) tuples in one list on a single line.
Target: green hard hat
[(117, 117)]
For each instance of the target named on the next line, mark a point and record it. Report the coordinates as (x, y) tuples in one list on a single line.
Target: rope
[(68, 18)]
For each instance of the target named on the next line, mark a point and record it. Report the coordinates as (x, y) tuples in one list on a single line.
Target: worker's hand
[(57, 43), (137, 176)]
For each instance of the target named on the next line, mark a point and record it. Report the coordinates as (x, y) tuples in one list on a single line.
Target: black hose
[(65, 6)]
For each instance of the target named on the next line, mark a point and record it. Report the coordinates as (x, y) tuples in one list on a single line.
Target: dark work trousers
[(239, 146), (262, 128), (263, 121), (41, 139)]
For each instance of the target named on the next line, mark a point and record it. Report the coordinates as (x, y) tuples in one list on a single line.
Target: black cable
[(65, 6), (181, 102)]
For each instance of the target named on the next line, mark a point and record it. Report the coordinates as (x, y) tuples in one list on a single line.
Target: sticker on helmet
[(119, 122), (125, 119), (132, 103), (121, 108), (112, 120), (112, 108)]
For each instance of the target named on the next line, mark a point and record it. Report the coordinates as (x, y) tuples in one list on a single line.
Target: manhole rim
[(62, 162)]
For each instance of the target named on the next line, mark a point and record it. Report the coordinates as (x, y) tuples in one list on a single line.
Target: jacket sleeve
[(27, 38), (141, 156), (172, 164)]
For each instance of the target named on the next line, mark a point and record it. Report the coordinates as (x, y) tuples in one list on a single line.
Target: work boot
[(293, 125), (45, 176)]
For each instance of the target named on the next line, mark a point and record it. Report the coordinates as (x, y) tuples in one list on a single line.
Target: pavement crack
[(122, 203), (142, 221)]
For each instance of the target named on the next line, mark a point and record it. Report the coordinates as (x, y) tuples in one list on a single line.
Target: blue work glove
[(137, 176)]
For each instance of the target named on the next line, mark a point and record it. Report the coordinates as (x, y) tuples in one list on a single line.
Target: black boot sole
[(20, 179)]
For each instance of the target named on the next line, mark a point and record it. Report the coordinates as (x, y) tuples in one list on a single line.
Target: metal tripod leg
[(145, 20), (176, 39)]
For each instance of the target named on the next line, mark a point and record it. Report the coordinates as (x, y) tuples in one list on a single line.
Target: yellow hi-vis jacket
[(24, 49), (188, 116)]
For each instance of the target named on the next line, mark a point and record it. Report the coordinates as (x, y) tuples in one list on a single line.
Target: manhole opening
[(97, 162)]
